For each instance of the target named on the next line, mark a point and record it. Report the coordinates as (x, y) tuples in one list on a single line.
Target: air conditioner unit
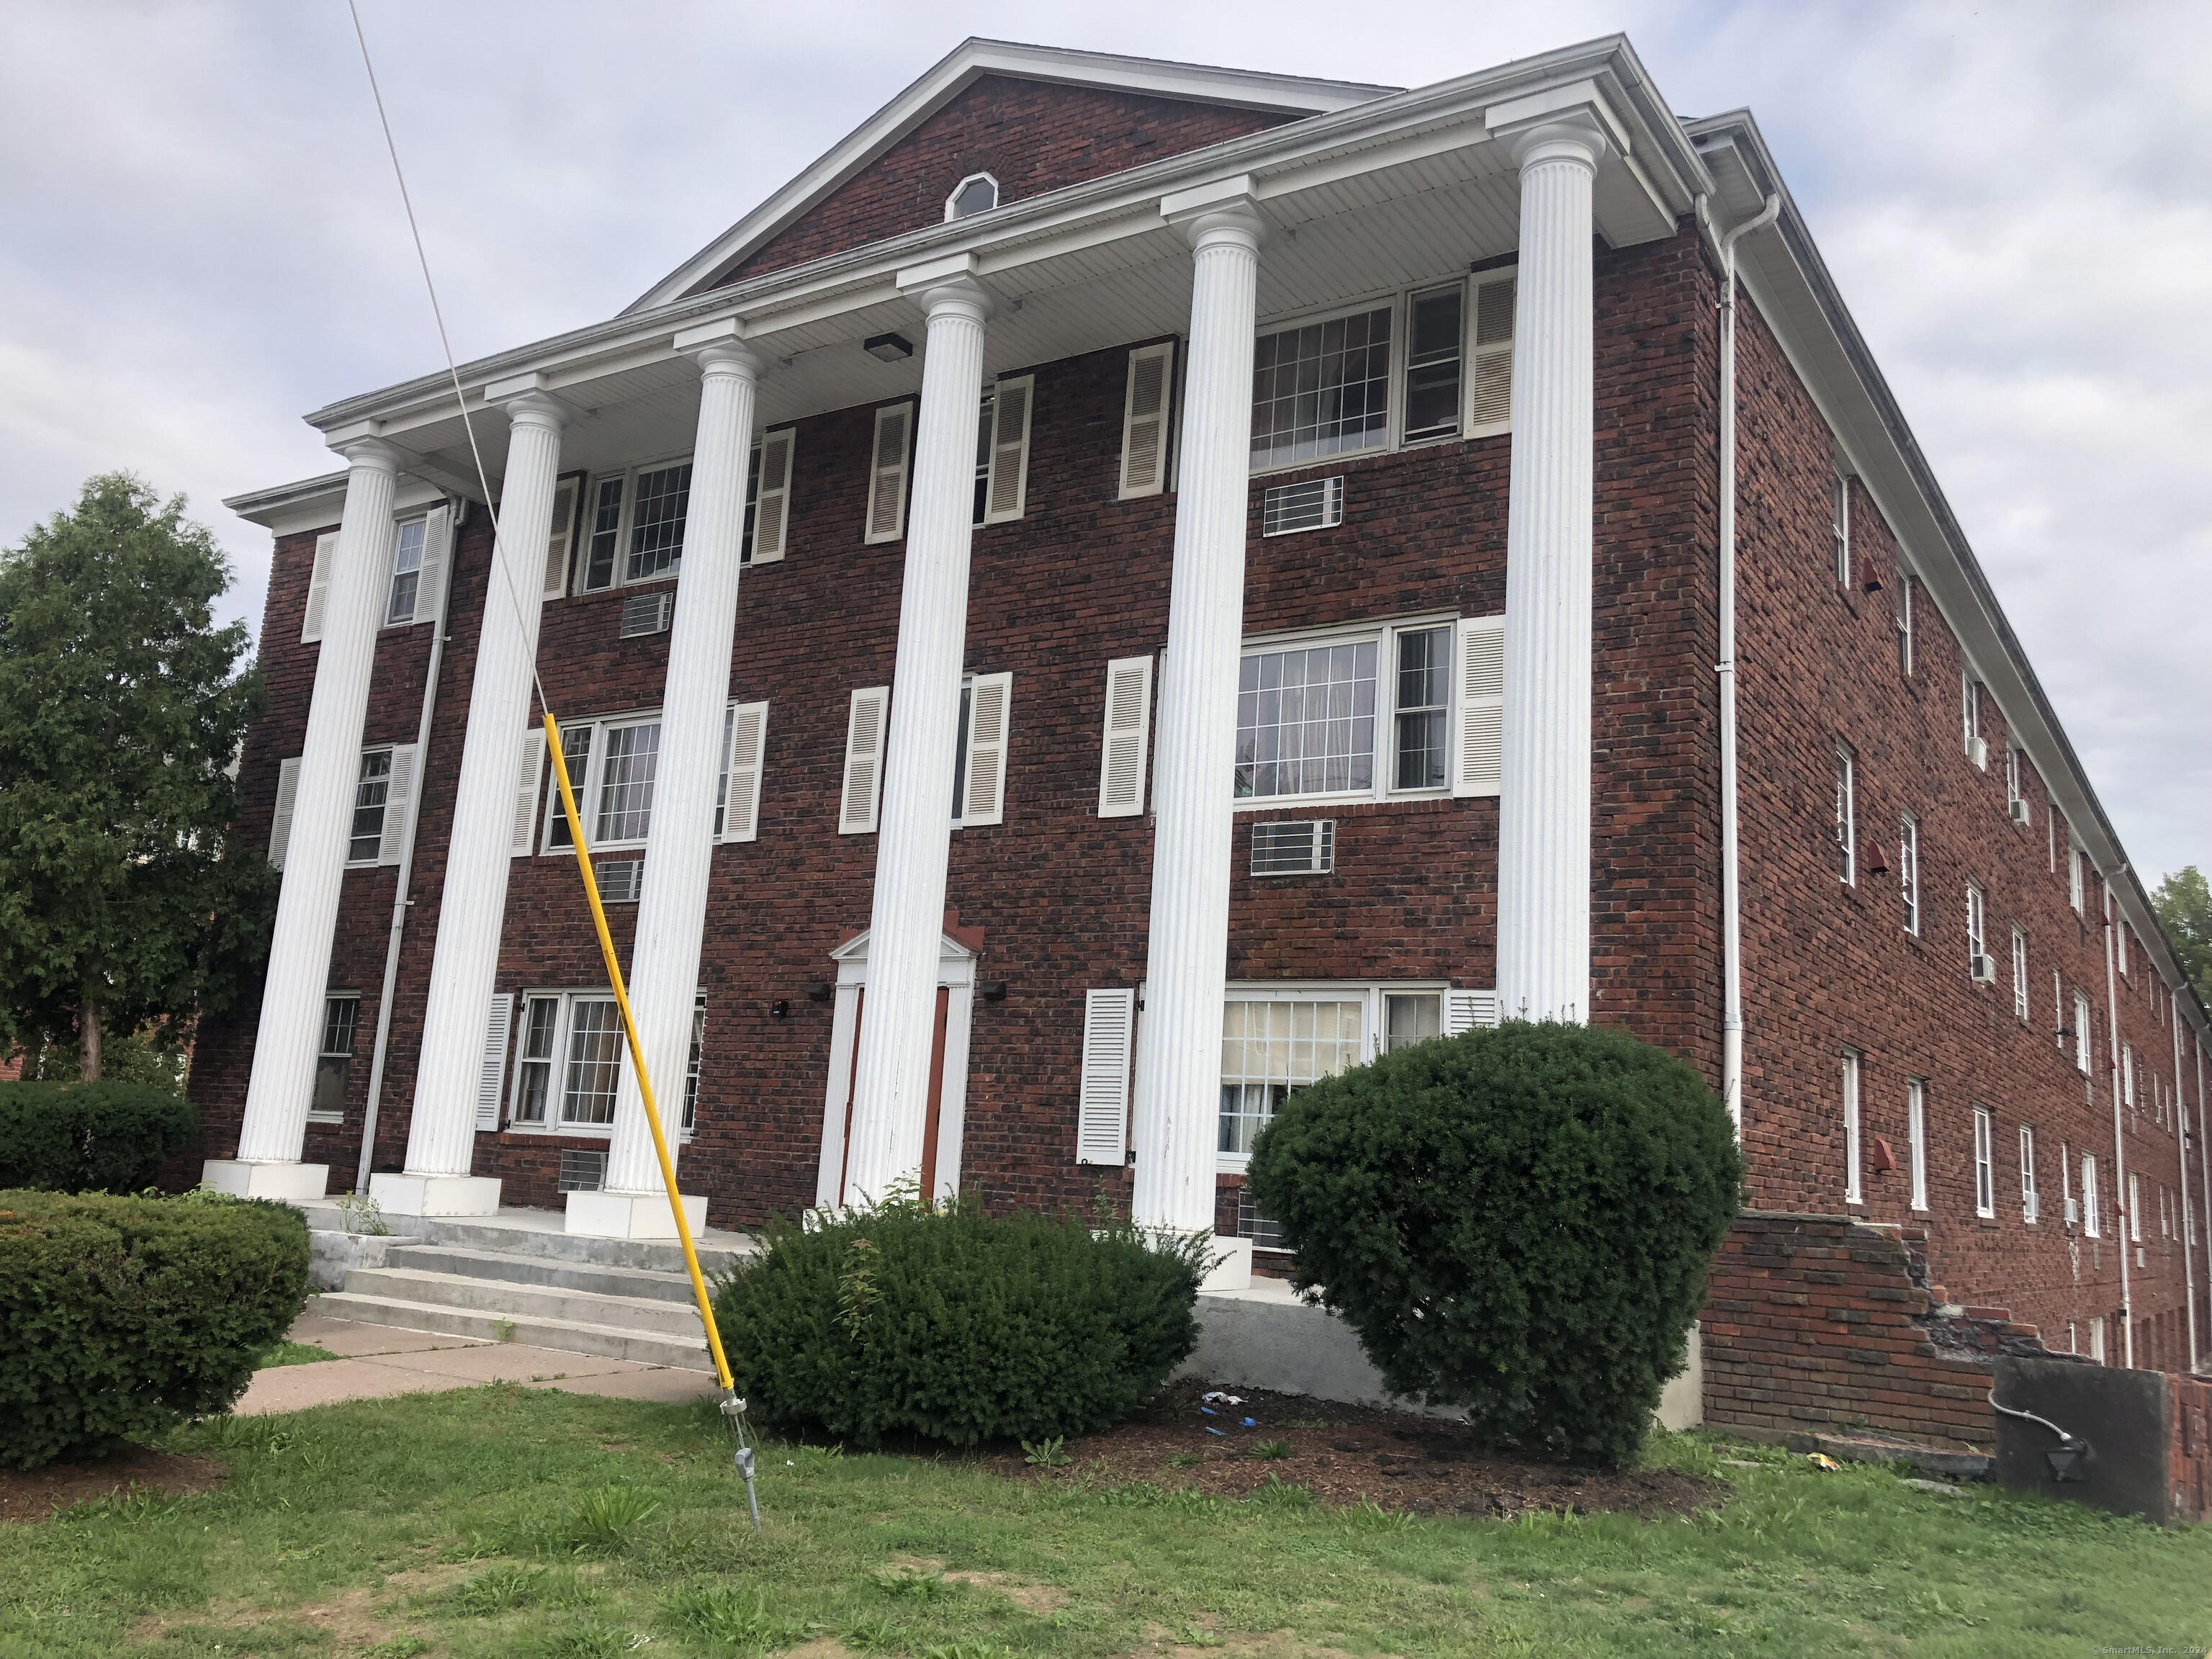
[(2072, 1212), (1984, 969), (1315, 504), (2019, 810), (2031, 1208), (648, 613), (1301, 846), (620, 883), (1977, 751)]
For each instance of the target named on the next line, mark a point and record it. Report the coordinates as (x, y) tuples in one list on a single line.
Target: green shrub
[(1516, 1221), (89, 1137), (120, 1317), (956, 1326)]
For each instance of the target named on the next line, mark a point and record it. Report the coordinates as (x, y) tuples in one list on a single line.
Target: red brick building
[(1435, 381)]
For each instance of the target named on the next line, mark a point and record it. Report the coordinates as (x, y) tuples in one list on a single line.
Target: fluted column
[(290, 1034), (1178, 1094), (891, 1090), (441, 1134), (1544, 800), (672, 911)]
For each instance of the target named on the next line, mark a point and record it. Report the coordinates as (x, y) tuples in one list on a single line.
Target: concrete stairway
[(516, 1277)]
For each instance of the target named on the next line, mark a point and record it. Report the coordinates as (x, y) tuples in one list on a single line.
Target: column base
[(434, 1194), (633, 1215), (289, 1181), (1233, 1271)]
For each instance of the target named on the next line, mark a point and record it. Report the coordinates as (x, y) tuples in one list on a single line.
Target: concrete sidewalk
[(377, 1361)]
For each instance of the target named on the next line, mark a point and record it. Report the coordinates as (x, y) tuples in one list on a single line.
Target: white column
[(914, 840), (672, 911), (1544, 799), (441, 1134), (290, 1034), (1178, 1093)]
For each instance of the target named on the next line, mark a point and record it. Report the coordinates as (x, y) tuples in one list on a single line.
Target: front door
[(934, 1118)]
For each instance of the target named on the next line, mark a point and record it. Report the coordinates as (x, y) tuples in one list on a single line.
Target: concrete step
[(510, 1298), (718, 1251), (568, 1336), (647, 1283)]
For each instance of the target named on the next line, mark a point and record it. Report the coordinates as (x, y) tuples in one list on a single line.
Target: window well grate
[(1314, 504), (648, 613), (582, 1171), (620, 882), (1301, 846)]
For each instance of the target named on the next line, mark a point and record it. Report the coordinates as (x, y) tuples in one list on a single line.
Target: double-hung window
[(1846, 829), (694, 1064), (334, 1060), (372, 798), (2031, 1203), (2015, 800), (570, 1063), (1002, 452), (1977, 926), (2127, 1075), (2092, 1216), (1969, 716), (406, 572), (2081, 1032), (1839, 529), (1854, 1189), (611, 766), (1434, 351), (2076, 880), (1908, 870), (636, 525), (1916, 1125), (1276, 1039), (1905, 624), (2020, 972), (2135, 1208), (1985, 1176)]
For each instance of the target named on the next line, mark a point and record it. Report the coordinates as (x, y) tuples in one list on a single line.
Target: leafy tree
[(127, 901), (2184, 903)]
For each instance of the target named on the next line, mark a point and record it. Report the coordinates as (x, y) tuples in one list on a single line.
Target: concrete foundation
[(633, 1215), (431, 1195), (288, 1183)]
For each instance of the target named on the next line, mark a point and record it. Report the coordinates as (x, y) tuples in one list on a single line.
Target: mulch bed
[(34, 1494), (1348, 1455)]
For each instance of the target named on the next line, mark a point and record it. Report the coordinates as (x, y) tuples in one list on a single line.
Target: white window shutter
[(741, 772), (525, 793), (1102, 1118), (288, 792), (864, 760), (772, 509), (318, 587), (887, 473), (1145, 420), (1007, 494), (1465, 1010), (990, 704), (437, 555), (562, 535), (490, 1080), (1479, 673), (1128, 728), (398, 790), (1491, 401)]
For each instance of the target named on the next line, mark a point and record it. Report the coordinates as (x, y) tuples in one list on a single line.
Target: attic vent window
[(977, 193)]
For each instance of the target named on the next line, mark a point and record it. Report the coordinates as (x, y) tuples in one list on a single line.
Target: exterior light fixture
[(818, 992), (992, 990), (888, 348), (2068, 1458)]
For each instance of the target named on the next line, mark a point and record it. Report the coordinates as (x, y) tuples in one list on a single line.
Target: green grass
[(506, 1521), (293, 1353)]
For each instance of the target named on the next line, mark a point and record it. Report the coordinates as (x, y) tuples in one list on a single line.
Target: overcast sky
[(204, 242)]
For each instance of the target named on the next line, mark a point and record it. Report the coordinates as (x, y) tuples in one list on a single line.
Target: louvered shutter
[(1007, 495), (990, 701), (1492, 402), (1465, 1010), (1479, 673), (492, 1079), (864, 761), (524, 829), (318, 587), (1145, 420), (288, 792), (559, 541), (740, 813), (399, 790), (887, 473), (437, 555), (772, 508), (1128, 728), (1102, 1118)]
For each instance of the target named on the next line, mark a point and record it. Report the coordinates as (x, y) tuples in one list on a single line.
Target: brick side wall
[(1032, 137)]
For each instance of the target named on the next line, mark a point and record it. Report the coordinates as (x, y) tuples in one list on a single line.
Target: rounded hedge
[(120, 1317), (954, 1325), (1517, 1221), (89, 1137)]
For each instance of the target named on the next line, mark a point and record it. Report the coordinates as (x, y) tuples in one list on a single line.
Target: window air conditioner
[(1303, 847), (2018, 810), (2072, 1212), (1984, 969), (1977, 751), (648, 613), (2031, 1206)]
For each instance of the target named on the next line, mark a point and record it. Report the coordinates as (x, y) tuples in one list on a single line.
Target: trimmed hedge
[(1517, 1221), (121, 1317), (954, 1325), (89, 1137)]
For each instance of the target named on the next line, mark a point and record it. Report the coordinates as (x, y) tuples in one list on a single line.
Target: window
[(1277, 1039), (694, 1064), (1002, 452), (341, 1014), (1977, 926), (979, 752), (406, 572), (372, 794), (2031, 1203), (2015, 802), (1915, 1124), (2120, 940), (767, 498), (571, 1060), (1853, 1191), (1146, 410), (1904, 625), (1313, 720), (611, 767), (2057, 1008), (977, 193), (2127, 1075), (1839, 529), (1847, 833), (2097, 1340), (738, 786), (1432, 364), (2081, 1032), (1908, 871), (1969, 699), (1985, 1178), (2092, 1219), (887, 474), (636, 527), (2019, 973), (2077, 883), (2135, 1208), (1411, 1016), (1321, 389)]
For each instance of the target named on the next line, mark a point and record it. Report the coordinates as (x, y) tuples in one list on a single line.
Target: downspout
[(400, 899), (2120, 1205), (2203, 1151), (2181, 1148), (1722, 244)]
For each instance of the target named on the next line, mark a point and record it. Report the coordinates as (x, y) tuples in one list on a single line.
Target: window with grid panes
[(593, 1062), (1270, 1047), (1908, 870), (1846, 830), (1411, 1016), (1985, 1174), (576, 742), (1433, 363), (636, 526), (1423, 713), (692, 1064), (334, 1060), (372, 792), (406, 571), (1320, 389), (630, 754), (1305, 720)]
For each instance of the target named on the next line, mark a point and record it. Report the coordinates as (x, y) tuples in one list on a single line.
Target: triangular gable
[(1037, 118)]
